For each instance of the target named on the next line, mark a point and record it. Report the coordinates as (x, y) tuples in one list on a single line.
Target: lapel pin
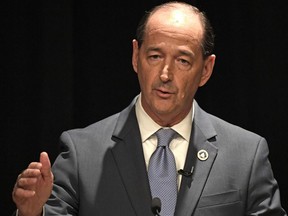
[(202, 155)]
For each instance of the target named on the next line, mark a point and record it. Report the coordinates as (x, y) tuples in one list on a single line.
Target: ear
[(135, 55), (207, 69)]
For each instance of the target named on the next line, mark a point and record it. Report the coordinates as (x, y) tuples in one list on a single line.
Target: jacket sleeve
[(64, 198)]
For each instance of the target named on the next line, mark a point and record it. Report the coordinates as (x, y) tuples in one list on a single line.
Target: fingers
[(33, 186), (33, 170), (27, 180), (29, 176), (35, 165), (22, 193)]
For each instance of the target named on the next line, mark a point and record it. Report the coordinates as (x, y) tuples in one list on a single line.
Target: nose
[(164, 76)]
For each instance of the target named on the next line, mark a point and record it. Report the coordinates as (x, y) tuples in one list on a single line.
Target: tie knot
[(165, 136)]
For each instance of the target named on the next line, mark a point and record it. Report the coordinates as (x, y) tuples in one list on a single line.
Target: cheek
[(187, 88), (145, 76), (147, 73)]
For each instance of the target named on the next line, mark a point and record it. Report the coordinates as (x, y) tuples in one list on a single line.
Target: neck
[(168, 120)]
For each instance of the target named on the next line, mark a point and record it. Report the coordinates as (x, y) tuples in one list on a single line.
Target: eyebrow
[(187, 53), (181, 51), (153, 48)]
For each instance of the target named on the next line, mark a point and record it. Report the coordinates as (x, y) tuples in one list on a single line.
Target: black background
[(66, 64)]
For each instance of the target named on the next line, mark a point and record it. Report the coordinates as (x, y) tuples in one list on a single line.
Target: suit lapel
[(128, 155), (129, 158), (202, 136)]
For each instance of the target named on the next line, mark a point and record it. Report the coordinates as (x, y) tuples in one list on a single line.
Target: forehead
[(182, 21)]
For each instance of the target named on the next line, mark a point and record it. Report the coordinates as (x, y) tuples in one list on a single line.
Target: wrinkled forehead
[(178, 20)]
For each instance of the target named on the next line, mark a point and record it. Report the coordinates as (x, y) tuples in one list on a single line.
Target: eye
[(183, 64), (154, 57), (183, 61)]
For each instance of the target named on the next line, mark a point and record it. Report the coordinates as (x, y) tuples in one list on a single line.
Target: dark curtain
[(66, 64)]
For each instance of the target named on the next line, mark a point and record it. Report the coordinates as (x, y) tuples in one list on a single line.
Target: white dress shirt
[(179, 145)]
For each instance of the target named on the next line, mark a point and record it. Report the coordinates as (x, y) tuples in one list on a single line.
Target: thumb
[(46, 165)]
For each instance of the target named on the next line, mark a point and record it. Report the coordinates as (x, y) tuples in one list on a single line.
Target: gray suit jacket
[(101, 171)]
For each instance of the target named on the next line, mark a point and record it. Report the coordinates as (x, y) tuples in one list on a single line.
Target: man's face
[(170, 65)]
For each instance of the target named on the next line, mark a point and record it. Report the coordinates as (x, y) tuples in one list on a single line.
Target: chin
[(163, 110)]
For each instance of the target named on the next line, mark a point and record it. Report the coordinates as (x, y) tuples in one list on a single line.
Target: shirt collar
[(148, 126)]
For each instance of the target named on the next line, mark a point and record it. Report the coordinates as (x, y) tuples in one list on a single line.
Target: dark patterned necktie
[(162, 173)]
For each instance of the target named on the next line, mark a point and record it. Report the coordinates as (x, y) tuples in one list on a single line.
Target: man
[(105, 169)]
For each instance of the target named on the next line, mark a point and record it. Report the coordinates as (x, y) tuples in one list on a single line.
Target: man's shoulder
[(233, 132), (222, 127), (102, 126), (107, 124)]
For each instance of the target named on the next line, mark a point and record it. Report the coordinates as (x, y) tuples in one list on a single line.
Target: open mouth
[(163, 93)]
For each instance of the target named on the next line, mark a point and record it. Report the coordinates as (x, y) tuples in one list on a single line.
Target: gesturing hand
[(33, 187)]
